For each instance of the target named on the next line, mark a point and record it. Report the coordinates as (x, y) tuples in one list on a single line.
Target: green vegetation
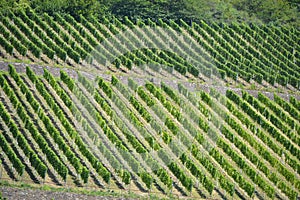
[(180, 125), (280, 12), (127, 110), (228, 51)]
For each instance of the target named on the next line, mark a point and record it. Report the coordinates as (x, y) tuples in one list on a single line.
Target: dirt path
[(141, 80)]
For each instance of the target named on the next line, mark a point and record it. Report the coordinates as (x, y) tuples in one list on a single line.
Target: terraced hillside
[(150, 107), (246, 53)]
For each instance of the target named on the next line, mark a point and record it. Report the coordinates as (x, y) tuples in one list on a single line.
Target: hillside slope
[(236, 53), (206, 111)]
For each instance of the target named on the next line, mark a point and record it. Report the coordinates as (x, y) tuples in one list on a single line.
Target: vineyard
[(155, 107)]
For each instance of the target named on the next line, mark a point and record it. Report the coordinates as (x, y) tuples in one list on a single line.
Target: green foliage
[(250, 111), (144, 113), (8, 47), (281, 12), (66, 79), (1, 197), (275, 125), (164, 177), (147, 179), (178, 172), (51, 156), (126, 177), (17, 164), (73, 7), (85, 174)]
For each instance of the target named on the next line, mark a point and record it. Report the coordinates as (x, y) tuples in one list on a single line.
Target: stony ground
[(141, 80), (35, 194)]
